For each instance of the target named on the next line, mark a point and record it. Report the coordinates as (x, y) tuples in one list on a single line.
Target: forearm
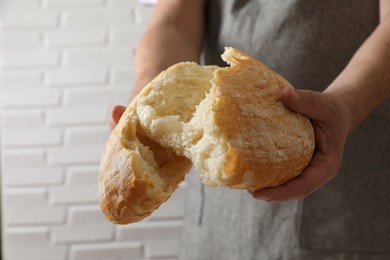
[(365, 82), (159, 49), (175, 34)]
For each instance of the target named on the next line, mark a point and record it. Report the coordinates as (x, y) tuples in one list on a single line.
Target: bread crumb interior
[(177, 115)]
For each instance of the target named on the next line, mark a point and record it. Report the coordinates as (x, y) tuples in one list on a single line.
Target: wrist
[(352, 106)]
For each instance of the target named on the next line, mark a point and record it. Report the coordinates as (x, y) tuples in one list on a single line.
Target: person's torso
[(309, 43)]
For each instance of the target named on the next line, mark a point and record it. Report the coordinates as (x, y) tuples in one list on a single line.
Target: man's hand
[(115, 115), (359, 88), (331, 120)]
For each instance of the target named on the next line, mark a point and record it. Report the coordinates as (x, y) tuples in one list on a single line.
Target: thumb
[(306, 102), (115, 115)]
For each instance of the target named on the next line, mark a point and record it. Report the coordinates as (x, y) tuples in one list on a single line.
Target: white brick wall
[(31, 243), (75, 77), (26, 19), (64, 64)]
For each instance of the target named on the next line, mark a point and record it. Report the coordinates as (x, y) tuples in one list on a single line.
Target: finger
[(294, 189), (309, 103), (312, 178), (115, 115)]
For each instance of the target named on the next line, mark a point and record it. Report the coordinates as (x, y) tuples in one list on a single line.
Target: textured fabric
[(309, 43)]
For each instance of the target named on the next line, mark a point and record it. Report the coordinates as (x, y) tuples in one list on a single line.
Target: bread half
[(229, 122)]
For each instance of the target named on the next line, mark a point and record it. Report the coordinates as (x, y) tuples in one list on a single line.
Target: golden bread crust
[(268, 144), (127, 191)]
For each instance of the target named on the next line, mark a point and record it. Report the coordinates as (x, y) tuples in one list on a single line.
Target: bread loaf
[(229, 122)]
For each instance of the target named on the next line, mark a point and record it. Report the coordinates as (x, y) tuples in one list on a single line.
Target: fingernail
[(261, 196)]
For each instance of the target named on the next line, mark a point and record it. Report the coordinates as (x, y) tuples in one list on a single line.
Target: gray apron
[(309, 43)]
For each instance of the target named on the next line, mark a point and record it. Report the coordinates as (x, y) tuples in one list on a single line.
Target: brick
[(20, 41), (84, 233), (75, 155), (124, 3), (41, 252), (38, 176), (19, 5), (143, 231), (77, 116), (72, 3), (107, 251), (74, 194), (20, 80), (69, 77), (31, 59), (29, 19), (86, 224), (31, 243), (86, 97), (102, 57), (32, 137), (26, 235), (82, 215), (162, 248), (122, 76), (84, 136), (30, 98), (84, 175), (33, 196), (15, 120), (149, 2), (81, 187), (75, 37), (98, 18), (29, 207), (31, 158), (130, 36)]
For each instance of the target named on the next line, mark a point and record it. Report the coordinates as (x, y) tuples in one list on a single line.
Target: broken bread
[(229, 122)]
